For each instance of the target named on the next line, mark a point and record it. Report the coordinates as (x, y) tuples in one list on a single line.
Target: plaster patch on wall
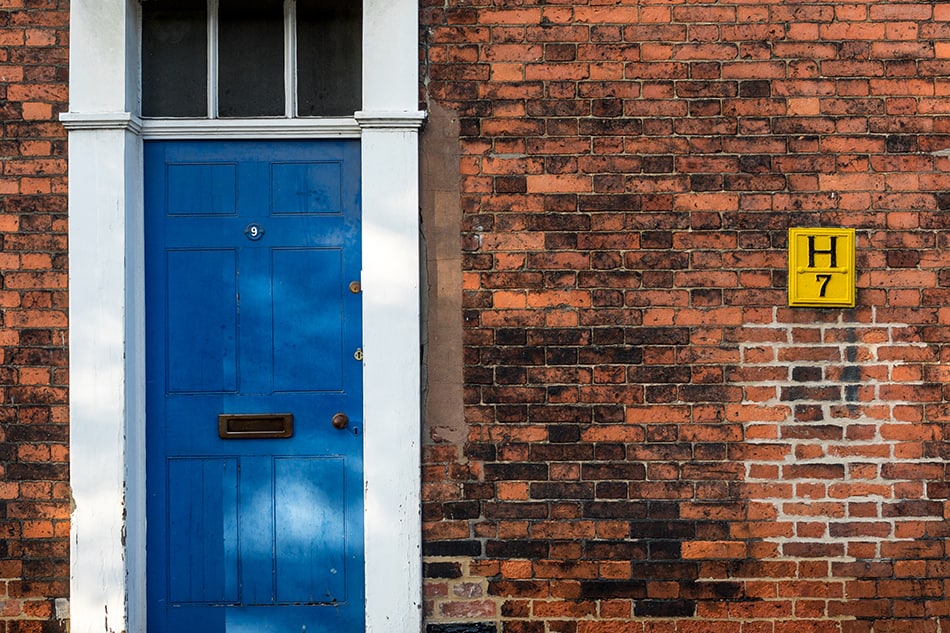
[(441, 226)]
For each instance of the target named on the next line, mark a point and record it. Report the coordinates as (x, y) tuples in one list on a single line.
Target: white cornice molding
[(403, 120), (101, 121), (343, 127)]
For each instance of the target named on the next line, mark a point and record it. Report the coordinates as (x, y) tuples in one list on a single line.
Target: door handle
[(340, 421), (255, 426)]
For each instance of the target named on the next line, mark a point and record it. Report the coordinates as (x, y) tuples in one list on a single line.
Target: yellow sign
[(821, 267)]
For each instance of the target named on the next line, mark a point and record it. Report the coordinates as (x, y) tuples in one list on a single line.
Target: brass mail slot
[(255, 426)]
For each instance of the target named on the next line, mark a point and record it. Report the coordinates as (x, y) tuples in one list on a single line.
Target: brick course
[(34, 491), (655, 442)]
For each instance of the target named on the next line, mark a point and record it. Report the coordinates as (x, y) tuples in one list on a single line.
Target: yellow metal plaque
[(821, 267)]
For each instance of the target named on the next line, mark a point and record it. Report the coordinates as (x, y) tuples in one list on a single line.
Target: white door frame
[(106, 282)]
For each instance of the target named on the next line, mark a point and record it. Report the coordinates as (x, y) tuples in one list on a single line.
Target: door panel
[(202, 359), (201, 189), (307, 188), (308, 282), (309, 567), (202, 522), (250, 250)]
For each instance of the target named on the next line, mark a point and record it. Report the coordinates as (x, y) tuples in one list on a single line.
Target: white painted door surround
[(106, 242)]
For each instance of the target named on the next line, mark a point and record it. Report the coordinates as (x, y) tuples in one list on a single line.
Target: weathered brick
[(32, 230)]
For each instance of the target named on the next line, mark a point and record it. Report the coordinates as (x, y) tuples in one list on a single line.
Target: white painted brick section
[(839, 438)]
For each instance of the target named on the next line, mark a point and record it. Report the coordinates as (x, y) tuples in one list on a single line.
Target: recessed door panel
[(202, 528), (203, 290), (250, 318), (201, 189), (310, 536), (307, 352), (308, 188)]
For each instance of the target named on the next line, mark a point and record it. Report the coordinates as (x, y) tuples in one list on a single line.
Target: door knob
[(340, 421)]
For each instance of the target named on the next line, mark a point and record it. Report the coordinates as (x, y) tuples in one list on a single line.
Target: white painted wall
[(107, 468)]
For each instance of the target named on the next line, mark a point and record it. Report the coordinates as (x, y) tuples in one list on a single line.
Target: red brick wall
[(656, 443), (34, 492)]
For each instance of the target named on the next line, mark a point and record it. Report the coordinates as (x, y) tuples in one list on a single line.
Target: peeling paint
[(61, 609)]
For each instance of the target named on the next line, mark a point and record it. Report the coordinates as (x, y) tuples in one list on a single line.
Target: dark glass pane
[(174, 58), (329, 61), (250, 58)]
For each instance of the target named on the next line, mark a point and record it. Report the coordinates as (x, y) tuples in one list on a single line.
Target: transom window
[(251, 58)]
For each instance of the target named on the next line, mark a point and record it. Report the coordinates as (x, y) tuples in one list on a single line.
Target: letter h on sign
[(821, 267), (832, 251)]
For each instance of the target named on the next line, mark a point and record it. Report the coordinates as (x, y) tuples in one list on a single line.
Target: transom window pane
[(251, 58), (174, 36), (329, 63)]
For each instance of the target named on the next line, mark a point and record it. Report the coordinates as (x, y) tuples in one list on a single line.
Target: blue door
[(254, 387)]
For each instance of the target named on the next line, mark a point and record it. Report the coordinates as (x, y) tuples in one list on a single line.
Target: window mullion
[(212, 59), (290, 58)]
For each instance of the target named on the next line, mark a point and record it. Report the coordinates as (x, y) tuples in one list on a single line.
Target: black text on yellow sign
[(821, 268)]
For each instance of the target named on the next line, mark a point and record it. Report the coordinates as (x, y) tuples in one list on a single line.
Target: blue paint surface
[(261, 535)]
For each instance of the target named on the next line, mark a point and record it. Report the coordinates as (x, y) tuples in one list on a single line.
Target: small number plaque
[(254, 231)]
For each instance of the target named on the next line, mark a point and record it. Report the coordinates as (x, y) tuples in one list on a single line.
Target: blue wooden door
[(253, 334)]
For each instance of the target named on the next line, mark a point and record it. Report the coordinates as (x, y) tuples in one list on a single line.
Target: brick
[(468, 609), (714, 549)]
